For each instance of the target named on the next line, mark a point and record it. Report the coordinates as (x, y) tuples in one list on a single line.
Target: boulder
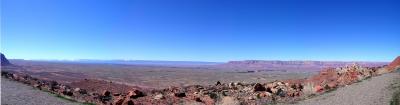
[(218, 83), (82, 91), (37, 86), (135, 94), (159, 96), (208, 100), (77, 89), (67, 92), (258, 87), (119, 101), (128, 102), (332, 85), (229, 101), (180, 94), (264, 94), (318, 88), (106, 93)]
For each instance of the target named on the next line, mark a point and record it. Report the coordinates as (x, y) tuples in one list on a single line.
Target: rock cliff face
[(4, 61), (394, 64), (293, 65)]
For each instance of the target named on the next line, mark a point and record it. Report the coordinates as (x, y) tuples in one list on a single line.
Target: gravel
[(374, 91), (14, 93)]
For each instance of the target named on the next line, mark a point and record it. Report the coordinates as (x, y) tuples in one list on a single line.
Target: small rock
[(180, 94), (116, 94), (159, 96), (251, 98), (119, 101), (106, 93), (77, 89), (218, 83), (238, 84), (82, 91), (67, 92), (264, 94), (318, 88), (37, 86)]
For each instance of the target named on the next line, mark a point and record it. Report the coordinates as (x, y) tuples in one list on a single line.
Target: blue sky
[(201, 30)]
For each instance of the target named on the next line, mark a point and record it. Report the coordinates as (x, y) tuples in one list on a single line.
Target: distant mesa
[(293, 65), (4, 60), (394, 64)]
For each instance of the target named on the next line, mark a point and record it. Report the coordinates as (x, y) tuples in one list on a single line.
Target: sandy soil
[(14, 93), (374, 91)]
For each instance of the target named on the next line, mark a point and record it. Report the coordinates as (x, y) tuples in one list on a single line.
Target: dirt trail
[(14, 93), (374, 91)]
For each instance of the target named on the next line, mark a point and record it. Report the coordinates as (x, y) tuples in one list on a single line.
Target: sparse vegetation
[(396, 98)]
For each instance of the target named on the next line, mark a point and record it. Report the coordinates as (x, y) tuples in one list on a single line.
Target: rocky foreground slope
[(378, 90), (107, 92), (14, 93)]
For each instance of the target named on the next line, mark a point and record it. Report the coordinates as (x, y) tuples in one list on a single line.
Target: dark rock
[(53, 85), (259, 87), (135, 94), (119, 101), (4, 60), (180, 94), (116, 94), (128, 102), (67, 92), (281, 93), (197, 99), (82, 91), (106, 93), (218, 83)]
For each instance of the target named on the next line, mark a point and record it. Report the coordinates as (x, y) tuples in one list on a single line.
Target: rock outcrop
[(4, 60), (394, 64)]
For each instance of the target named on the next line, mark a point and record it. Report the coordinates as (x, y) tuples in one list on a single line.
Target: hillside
[(4, 60)]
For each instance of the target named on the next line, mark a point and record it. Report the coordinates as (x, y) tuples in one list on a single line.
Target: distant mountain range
[(292, 65), (255, 65), (141, 62)]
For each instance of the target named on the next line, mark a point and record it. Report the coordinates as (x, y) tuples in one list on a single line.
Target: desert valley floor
[(301, 83)]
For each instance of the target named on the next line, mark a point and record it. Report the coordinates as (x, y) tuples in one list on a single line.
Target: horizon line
[(193, 60)]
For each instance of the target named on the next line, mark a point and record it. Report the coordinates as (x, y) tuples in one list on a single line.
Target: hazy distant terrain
[(140, 62), (159, 75), (293, 65), (149, 76)]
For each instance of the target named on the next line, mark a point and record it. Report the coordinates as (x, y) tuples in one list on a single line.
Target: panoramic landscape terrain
[(287, 82), (200, 52)]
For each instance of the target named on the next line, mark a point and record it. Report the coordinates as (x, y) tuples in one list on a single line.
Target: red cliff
[(394, 64)]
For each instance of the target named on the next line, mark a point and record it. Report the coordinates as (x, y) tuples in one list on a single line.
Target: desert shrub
[(395, 99)]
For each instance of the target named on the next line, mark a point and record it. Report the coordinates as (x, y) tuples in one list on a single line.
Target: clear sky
[(201, 30)]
